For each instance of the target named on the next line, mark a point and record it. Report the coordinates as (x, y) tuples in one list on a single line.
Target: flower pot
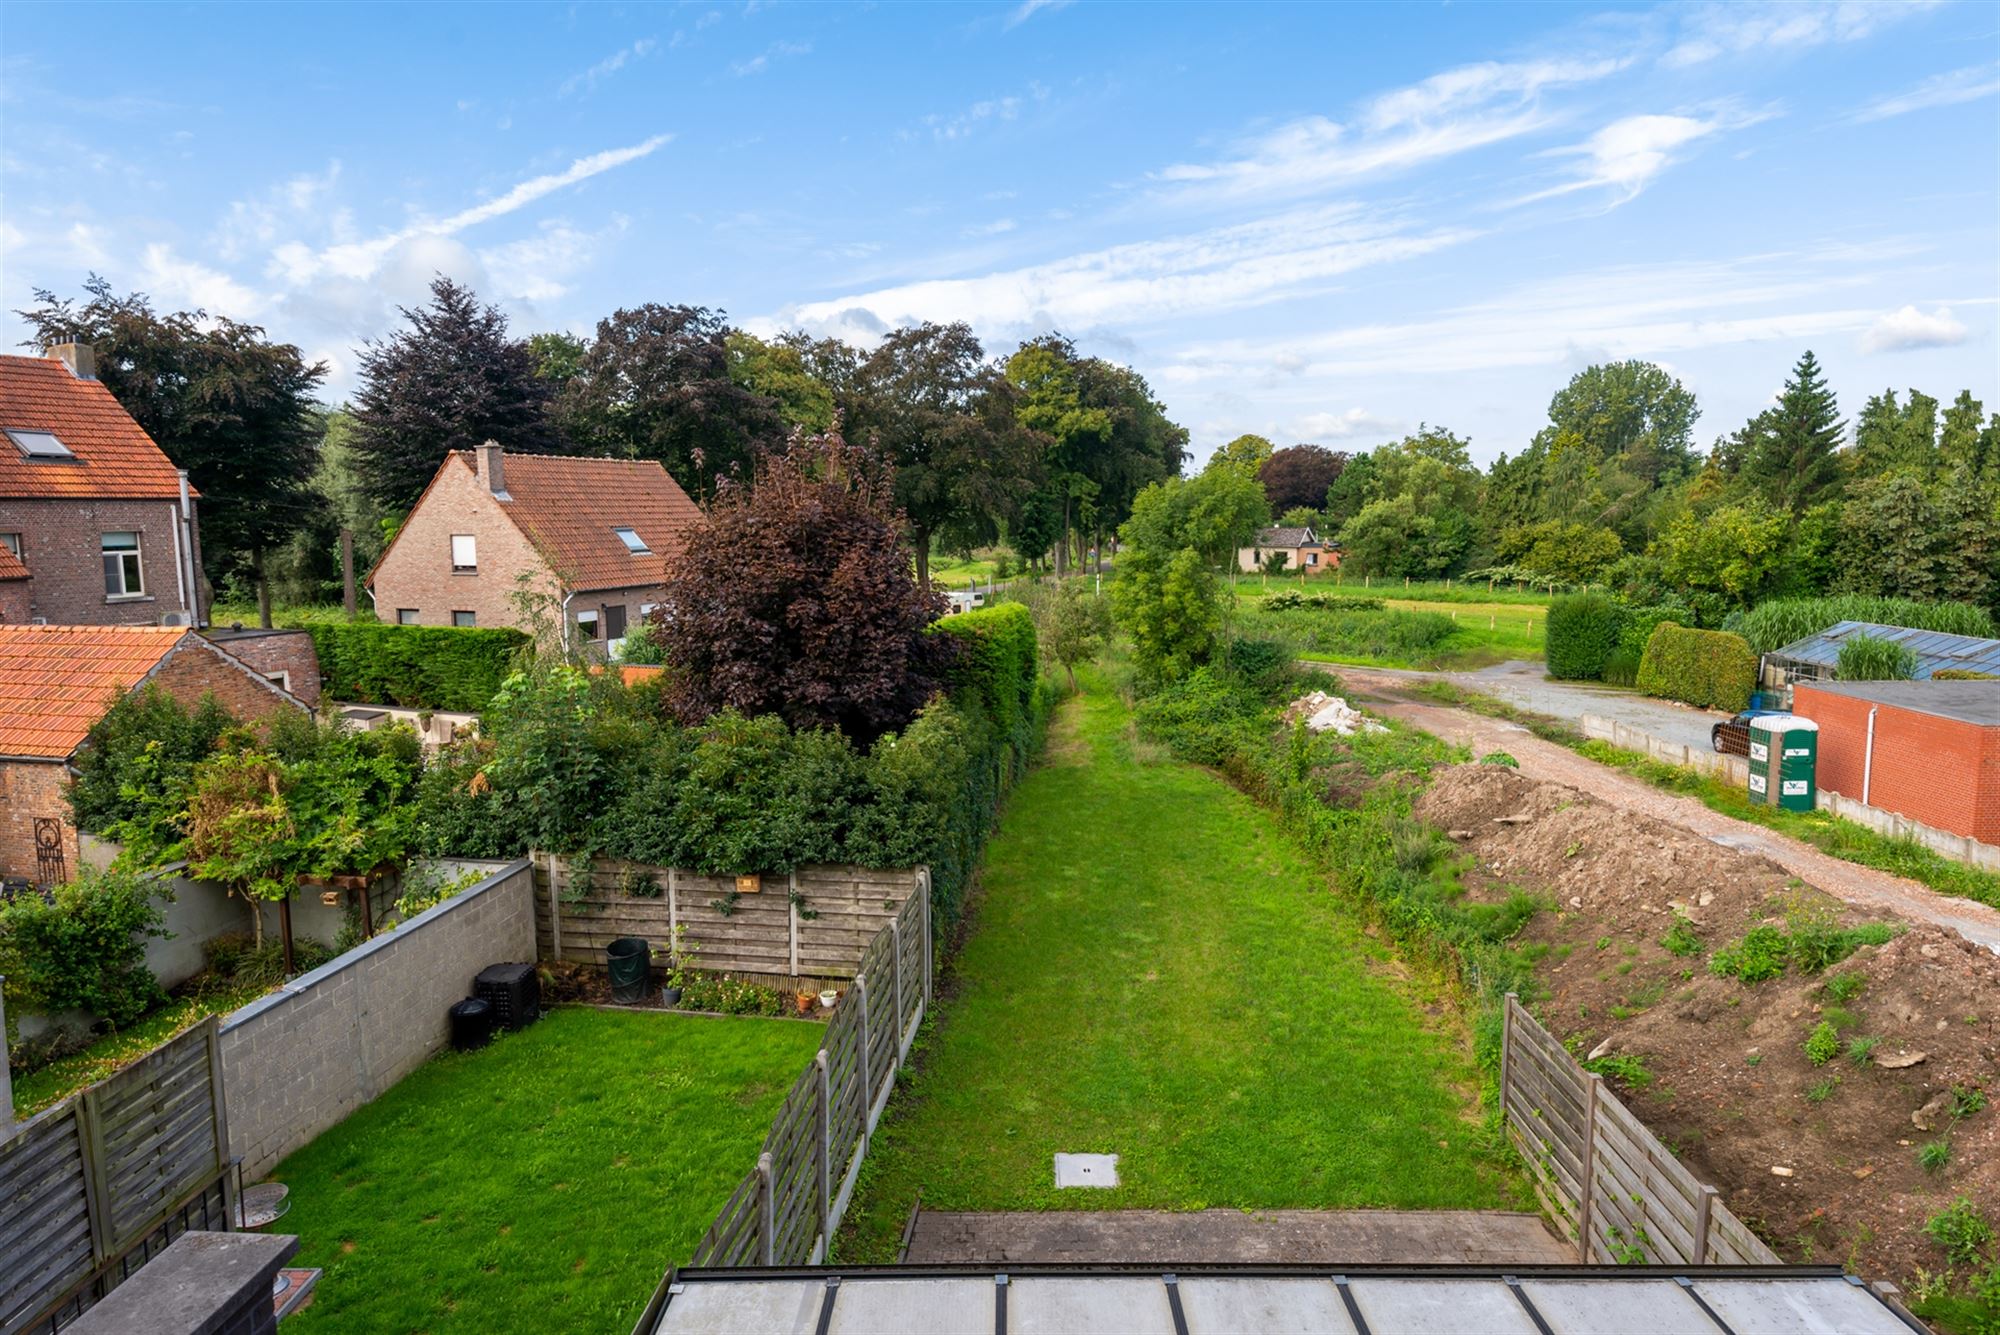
[(827, 998), (671, 995)]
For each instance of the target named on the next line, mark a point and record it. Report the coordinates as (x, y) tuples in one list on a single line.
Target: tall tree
[(1792, 459), (1632, 414), (1965, 441), (1301, 475), (451, 380), (1247, 452), (1049, 401), (1889, 436), (778, 371), (234, 409), (656, 384), (943, 416)]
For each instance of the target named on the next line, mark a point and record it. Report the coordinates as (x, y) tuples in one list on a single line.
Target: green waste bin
[(631, 964), (1784, 761)]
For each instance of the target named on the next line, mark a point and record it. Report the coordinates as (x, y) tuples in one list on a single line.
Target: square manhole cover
[(1086, 1170)]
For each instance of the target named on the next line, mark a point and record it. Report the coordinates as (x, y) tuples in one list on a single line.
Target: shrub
[(1206, 718), (419, 667), (1963, 674), (1872, 658), (146, 745), (1583, 632), (1823, 1044), (1621, 668), (1324, 602), (1779, 621), (83, 947), (1960, 1230), (1713, 669), (1761, 954), (1680, 938)]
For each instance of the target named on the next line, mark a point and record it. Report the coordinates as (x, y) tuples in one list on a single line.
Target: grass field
[(1478, 633), (1156, 971), (545, 1183)]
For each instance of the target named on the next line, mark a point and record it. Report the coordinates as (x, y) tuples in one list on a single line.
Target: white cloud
[(760, 62), (176, 280), (1027, 9), (1908, 328), (1747, 27), (1447, 114), (1627, 154), (998, 227), (1940, 90), (588, 80), (1341, 426), (1245, 264), (947, 128)]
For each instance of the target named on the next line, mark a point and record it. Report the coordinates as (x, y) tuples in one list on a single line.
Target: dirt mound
[(1726, 1078)]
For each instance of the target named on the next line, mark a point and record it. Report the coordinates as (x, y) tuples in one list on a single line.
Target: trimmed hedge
[(1710, 668), (418, 667), (1583, 632)]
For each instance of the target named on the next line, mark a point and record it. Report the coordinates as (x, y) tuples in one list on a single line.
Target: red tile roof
[(570, 507), (55, 681), (114, 457), (11, 566)]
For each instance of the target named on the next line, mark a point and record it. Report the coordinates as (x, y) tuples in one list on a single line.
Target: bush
[(1779, 621), (150, 724), (1583, 633), (419, 667), (1709, 668), (1324, 602), (1208, 717), (1621, 668), (1960, 1230), (83, 947), (1872, 658), (1822, 1044)]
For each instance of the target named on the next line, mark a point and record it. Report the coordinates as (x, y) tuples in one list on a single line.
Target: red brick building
[(98, 526), (594, 534), (286, 657), (1927, 750), (56, 681)]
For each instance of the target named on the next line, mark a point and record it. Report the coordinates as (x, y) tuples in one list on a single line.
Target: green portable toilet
[(1784, 760)]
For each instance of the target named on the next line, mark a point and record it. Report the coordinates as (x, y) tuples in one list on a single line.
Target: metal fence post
[(1592, 1091), (825, 1148), (1701, 1216), (867, 1085), (767, 1214)]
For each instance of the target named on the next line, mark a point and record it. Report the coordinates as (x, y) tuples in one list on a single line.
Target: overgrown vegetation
[(83, 947), (451, 668), (1872, 658), (1777, 622)]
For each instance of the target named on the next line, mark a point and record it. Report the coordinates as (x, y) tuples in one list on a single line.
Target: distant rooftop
[(1935, 650), (1975, 702)]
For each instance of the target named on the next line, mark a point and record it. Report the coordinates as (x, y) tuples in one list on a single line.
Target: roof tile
[(114, 455), (569, 508), (55, 681), (11, 566)]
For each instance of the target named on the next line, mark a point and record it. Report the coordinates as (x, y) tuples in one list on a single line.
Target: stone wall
[(301, 1059)]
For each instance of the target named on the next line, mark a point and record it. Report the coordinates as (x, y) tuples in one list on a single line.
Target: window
[(122, 577), (464, 553), (464, 618), (281, 680), (39, 444), (586, 625), (406, 616), (614, 622), (633, 542), (12, 542), (1312, 558)]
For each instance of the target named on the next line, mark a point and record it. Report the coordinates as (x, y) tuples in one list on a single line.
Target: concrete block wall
[(301, 1059)]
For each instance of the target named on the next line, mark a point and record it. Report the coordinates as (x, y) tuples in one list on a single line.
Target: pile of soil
[(1730, 1076)]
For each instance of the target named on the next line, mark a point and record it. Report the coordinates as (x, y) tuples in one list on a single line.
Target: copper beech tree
[(796, 598)]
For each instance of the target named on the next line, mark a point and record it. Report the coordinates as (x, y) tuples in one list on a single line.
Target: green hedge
[(1777, 622), (1583, 633), (1710, 668), (419, 667)]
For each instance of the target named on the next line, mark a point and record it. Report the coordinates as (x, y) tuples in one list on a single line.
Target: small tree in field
[(1074, 626), (796, 598)]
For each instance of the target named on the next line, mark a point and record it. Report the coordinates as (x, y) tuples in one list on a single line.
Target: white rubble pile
[(1330, 713)]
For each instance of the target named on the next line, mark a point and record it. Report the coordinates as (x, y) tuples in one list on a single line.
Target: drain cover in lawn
[(1086, 1170)]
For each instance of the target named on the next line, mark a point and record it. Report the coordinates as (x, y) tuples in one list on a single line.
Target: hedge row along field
[(1709, 668), (418, 667)]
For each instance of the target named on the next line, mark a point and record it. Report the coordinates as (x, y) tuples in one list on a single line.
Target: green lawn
[(1157, 971), (545, 1183)]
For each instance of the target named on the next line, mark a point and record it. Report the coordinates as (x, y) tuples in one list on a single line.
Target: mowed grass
[(1156, 971), (544, 1183), (1478, 634)]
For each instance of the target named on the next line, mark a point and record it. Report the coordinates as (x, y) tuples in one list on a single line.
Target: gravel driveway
[(1523, 685)]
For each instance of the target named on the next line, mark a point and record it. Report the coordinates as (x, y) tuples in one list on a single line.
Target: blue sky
[(1322, 223)]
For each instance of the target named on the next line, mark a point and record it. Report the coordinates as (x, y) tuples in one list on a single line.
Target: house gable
[(415, 572)]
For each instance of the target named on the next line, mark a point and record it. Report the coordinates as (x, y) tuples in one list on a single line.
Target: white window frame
[(588, 625), (135, 555), (409, 616), (281, 679), (470, 552), (633, 542), (471, 618)]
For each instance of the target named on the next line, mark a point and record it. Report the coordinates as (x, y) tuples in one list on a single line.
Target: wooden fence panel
[(1615, 1189), (94, 1186)]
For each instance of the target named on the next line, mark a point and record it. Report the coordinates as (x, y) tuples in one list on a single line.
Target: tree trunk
[(1062, 542), (285, 920), (263, 591), (1097, 549)]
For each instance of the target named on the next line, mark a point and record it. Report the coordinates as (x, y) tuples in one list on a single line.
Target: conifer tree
[(1792, 460)]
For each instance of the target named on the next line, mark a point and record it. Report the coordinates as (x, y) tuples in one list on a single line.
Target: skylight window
[(39, 444), (633, 542)]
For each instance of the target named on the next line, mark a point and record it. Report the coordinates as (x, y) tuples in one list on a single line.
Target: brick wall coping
[(305, 982)]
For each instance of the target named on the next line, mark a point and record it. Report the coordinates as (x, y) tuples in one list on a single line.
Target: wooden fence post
[(97, 1205), (1701, 1216), (674, 909), (767, 1217), (6, 1080), (896, 975), (825, 1149), (1506, 1050), (924, 888), (867, 1086), (1593, 1085), (792, 908), (555, 908)]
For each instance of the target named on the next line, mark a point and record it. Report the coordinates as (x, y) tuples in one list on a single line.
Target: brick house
[(1928, 750), (98, 526), (287, 657), (56, 681), (595, 534), (1302, 548)]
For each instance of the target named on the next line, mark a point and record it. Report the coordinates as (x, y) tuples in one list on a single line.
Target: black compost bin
[(631, 962), (471, 1024)]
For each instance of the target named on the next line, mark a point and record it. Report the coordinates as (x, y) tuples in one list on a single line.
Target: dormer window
[(633, 542), (39, 444)]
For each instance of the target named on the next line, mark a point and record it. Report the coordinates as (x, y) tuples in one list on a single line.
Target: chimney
[(492, 471), (80, 358)]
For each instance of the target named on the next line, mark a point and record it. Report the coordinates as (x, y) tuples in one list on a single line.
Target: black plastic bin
[(513, 991), (631, 961), (471, 1024)]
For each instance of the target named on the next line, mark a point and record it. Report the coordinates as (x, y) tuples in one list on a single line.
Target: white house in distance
[(1302, 548)]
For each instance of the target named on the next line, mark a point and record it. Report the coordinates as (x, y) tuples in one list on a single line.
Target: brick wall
[(301, 1059), (416, 572), (271, 652), (1941, 772), (198, 668), (16, 601), (31, 788), (61, 544)]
